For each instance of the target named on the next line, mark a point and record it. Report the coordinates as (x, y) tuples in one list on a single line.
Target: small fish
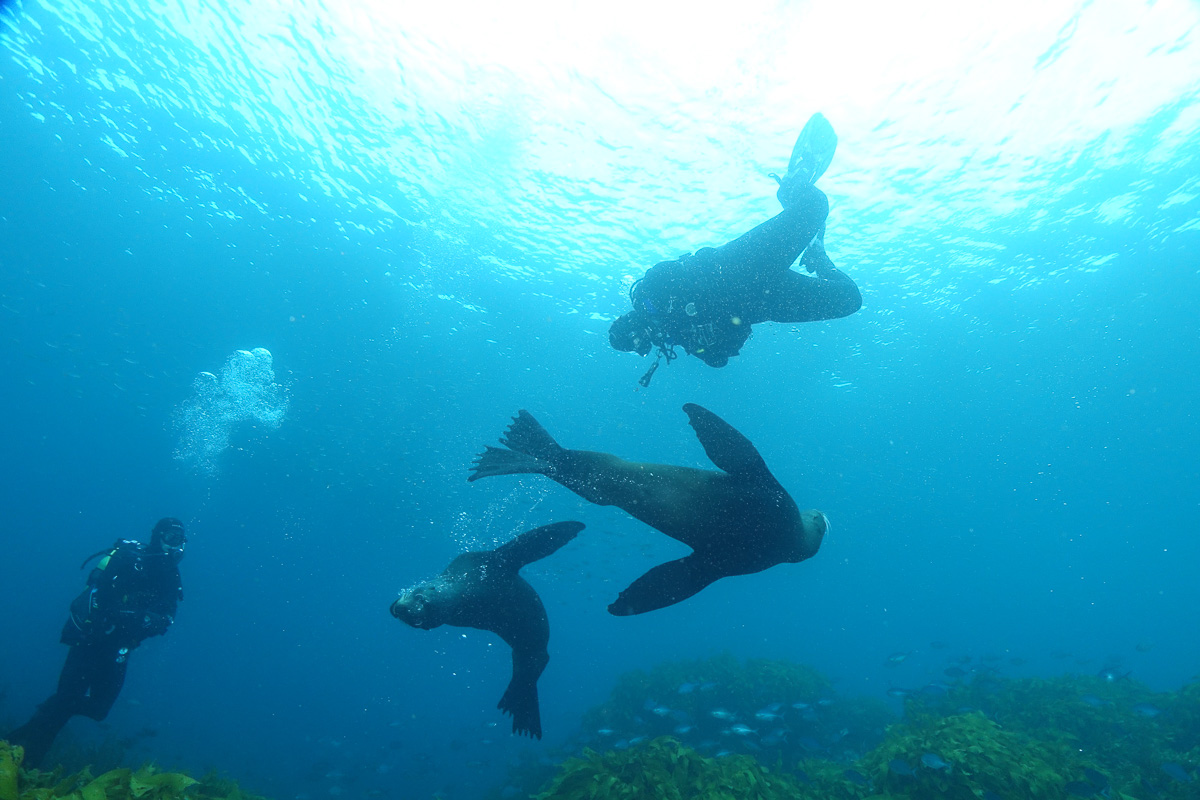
[(897, 658), (660, 711), (896, 691), (707, 687), (898, 766), (723, 753), (1146, 710), (742, 730), (856, 777), (934, 761), (934, 689), (683, 730), (1093, 701), (1176, 772), (766, 716), (636, 740), (809, 743), (954, 672), (799, 706), (605, 732), (825, 701), (720, 713), (686, 688)]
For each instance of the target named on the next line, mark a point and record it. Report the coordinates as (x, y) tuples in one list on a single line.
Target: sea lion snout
[(414, 607), (813, 527)]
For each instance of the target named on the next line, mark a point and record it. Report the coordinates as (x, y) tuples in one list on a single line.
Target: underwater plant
[(1119, 729), (144, 783), (666, 770), (776, 710), (967, 757)]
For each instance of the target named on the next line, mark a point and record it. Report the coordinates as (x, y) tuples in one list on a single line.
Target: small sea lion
[(737, 521), (483, 590)]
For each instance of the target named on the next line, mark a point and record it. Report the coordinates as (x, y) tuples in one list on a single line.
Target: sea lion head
[(422, 606), (813, 527)]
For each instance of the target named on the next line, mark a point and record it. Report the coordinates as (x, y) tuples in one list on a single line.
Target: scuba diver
[(131, 595), (706, 302)]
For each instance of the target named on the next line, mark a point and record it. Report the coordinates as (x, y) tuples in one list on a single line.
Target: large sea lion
[(483, 590), (737, 521)]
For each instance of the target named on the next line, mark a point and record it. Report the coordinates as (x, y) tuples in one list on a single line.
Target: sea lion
[(737, 521), (483, 590)]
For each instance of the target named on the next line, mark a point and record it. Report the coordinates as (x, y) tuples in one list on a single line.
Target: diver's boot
[(811, 156), (814, 258)]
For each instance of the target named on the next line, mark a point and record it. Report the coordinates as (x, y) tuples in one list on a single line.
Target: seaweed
[(1119, 728), (968, 756), (781, 710), (123, 783), (664, 769)]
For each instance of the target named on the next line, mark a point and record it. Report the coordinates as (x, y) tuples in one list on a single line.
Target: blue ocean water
[(429, 216)]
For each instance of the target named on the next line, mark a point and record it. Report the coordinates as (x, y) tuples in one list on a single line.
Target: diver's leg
[(105, 680), (38, 734), (775, 245), (801, 298)]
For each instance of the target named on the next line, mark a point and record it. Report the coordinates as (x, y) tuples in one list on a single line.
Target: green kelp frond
[(1119, 727), (820, 779), (145, 783), (665, 770), (965, 756), (720, 681), (782, 710)]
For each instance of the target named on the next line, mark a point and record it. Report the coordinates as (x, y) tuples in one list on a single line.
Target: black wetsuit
[(131, 595), (706, 302)]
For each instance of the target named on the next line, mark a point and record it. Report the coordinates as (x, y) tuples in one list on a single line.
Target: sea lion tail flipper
[(725, 446), (526, 435), (520, 701), (665, 585), (494, 461), (531, 450), (538, 543)]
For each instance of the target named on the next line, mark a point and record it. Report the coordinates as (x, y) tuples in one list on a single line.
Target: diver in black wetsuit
[(130, 596), (706, 302)]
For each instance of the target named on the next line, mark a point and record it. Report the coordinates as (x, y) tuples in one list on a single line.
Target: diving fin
[(814, 150)]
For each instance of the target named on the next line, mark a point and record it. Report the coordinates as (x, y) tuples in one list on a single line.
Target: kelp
[(1120, 728), (144, 783), (663, 769), (966, 757), (741, 687), (991, 738), (791, 708)]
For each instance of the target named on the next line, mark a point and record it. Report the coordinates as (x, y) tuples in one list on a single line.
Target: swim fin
[(814, 150)]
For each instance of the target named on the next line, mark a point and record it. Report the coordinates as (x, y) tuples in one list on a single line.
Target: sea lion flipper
[(531, 450), (725, 445), (536, 544), (662, 586), (520, 700)]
